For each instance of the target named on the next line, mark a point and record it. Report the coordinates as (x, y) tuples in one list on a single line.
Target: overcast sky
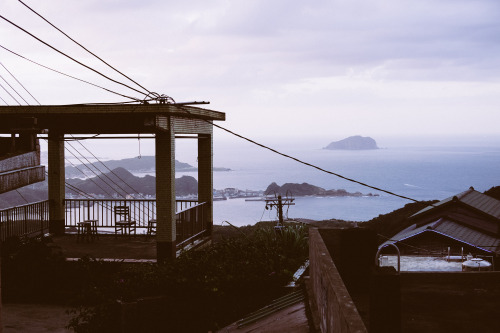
[(277, 68)]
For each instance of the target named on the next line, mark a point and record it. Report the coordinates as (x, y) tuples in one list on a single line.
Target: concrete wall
[(336, 309), (450, 302)]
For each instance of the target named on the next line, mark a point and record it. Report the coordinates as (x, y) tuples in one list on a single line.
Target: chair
[(123, 223), (151, 227)]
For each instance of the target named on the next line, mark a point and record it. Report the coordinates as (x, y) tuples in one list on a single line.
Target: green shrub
[(201, 290)]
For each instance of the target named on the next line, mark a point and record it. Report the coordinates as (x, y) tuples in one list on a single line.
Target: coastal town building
[(465, 224)]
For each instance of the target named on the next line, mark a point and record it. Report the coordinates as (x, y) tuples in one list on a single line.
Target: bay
[(421, 173)]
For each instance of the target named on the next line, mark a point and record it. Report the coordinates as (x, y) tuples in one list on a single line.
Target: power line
[(20, 84), (71, 58), (9, 94), (4, 101), (218, 126), (111, 171), (97, 175), (83, 47), (70, 76), (22, 196), (305, 163), (13, 89), (83, 173)]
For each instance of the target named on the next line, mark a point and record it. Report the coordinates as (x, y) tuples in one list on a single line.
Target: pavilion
[(164, 121)]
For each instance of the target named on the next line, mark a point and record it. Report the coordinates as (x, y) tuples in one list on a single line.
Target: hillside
[(304, 189), (143, 164), (120, 178)]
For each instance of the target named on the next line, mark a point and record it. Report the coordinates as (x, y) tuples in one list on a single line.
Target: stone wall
[(336, 309)]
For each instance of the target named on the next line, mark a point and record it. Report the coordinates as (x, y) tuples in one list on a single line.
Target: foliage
[(494, 192), (390, 224), (201, 290), (30, 269)]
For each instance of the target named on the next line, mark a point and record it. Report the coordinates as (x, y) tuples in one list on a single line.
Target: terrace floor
[(108, 247)]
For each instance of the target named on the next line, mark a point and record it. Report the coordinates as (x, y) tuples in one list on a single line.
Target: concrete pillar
[(165, 194), (205, 177), (56, 182)]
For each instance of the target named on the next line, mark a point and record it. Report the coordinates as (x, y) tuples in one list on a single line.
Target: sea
[(418, 169)]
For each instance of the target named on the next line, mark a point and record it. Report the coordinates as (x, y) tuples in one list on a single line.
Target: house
[(468, 222)]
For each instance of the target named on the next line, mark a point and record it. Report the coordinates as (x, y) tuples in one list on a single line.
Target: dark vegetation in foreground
[(202, 290)]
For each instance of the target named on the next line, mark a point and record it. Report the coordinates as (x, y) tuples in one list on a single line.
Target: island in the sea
[(305, 189), (356, 142)]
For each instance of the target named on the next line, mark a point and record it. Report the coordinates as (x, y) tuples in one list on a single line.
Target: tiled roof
[(472, 198), (452, 230)]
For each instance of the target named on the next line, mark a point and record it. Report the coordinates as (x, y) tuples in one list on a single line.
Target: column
[(205, 178), (165, 194), (56, 182)]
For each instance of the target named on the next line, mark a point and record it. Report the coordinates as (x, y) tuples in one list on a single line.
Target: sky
[(279, 69)]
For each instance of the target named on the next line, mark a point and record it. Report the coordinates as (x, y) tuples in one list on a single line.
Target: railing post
[(41, 211), (25, 220), (8, 224)]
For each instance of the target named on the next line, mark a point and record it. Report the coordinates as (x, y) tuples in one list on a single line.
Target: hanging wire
[(9, 94), (13, 89), (70, 76), (71, 58), (83, 47), (20, 84)]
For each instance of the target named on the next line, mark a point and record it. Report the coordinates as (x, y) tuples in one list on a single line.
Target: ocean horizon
[(427, 172)]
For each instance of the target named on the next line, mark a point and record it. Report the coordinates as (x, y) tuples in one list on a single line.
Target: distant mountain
[(120, 180), (304, 189), (356, 142), (143, 164)]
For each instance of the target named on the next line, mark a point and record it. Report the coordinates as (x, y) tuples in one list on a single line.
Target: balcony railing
[(33, 219), (26, 220), (191, 216)]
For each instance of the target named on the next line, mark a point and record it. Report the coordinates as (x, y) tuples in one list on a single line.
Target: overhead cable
[(3, 100), (303, 162), (83, 47), (11, 87), (70, 76), (20, 84), (71, 58), (9, 94)]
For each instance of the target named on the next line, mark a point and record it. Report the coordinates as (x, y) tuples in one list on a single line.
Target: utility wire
[(218, 126), (22, 196), (11, 87), (9, 94), (92, 180), (302, 162), (4, 101), (20, 84), (71, 58), (70, 76), (83, 47), (111, 171), (96, 174)]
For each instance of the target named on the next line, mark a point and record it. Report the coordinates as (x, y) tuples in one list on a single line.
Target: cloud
[(373, 62)]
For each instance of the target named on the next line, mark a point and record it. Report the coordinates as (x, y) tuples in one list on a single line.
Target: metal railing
[(191, 223), (31, 219), (191, 218), (24, 221)]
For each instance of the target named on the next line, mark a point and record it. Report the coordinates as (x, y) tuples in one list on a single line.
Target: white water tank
[(476, 264)]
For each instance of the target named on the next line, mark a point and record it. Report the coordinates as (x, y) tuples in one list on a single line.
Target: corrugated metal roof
[(468, 235), (472, 198), (453, 230)]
